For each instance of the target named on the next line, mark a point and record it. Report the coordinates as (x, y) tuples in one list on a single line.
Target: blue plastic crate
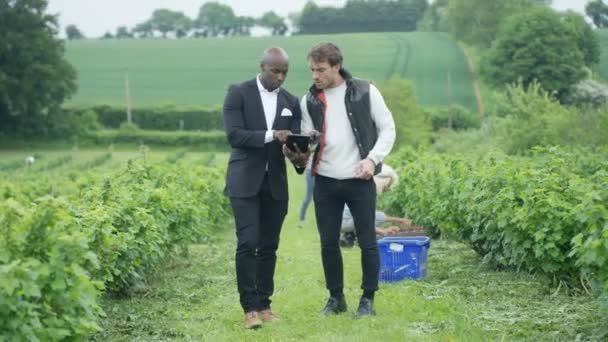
[(403, 257)]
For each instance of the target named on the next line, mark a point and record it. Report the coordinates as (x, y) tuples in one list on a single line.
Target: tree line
[(362, 16), (525, 41), (215, 19)]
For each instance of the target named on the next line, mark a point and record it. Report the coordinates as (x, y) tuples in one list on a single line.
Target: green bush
[(56, 258), (56, 124), (127, 128), (46, 292), (462, 118), (161, 118), (176, 156), (143, 213), (543, 214), (412, 124), (158, 138), (533, 118), (537, 45), (591, 244), (471, 141), (524, 118)]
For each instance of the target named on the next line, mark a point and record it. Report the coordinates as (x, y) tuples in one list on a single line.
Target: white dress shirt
[(269, 102)]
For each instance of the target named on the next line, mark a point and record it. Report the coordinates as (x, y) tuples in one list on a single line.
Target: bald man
[(258, 117)]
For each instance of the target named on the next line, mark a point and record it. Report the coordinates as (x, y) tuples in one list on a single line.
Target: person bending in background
[(310, 185), (385, 180)]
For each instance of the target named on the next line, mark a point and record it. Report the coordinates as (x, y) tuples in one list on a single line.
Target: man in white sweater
[(357, 132)]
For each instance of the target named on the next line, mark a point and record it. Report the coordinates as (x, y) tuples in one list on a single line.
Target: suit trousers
[(330, 196), (258, 226)]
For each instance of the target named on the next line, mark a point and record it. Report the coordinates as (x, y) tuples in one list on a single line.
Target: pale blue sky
[(94, 17)]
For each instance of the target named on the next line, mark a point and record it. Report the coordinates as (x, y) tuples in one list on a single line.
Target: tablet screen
[(302, 141)]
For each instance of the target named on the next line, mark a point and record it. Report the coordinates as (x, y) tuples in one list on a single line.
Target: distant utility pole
[(128, 95), (449, 99)]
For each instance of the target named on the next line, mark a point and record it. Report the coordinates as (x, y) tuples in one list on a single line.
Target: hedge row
[(216, 139), (57, 255), (545, 214), (162, 118)]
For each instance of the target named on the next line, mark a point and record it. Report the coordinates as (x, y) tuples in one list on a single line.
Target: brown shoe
[(268, 316), (252, 321)]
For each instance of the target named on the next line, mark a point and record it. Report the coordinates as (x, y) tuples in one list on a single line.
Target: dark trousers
[(258, 226), (330, 196)]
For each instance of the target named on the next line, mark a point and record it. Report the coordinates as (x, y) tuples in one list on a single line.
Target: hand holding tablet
[(299, 140)]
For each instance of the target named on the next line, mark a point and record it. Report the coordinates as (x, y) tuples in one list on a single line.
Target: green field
[(197, 72)]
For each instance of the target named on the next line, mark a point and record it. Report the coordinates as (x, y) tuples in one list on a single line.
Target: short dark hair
[(326, 52)]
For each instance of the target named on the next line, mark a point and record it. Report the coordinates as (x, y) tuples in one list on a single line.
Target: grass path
[(195, 299)]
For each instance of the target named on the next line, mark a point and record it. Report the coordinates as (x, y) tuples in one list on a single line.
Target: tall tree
[(72, 32), (144, 30), (587, 40), (362, 16), (122, 32), (107, 35), (216, 19), (35, 78), (183, 25), (434, 18), (477, 21), (274, 22), (535, 45), (243, 25), (166, 21), (598, 12)]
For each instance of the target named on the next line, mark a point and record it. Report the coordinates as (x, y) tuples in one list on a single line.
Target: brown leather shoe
[(268, 316), (252, 321)]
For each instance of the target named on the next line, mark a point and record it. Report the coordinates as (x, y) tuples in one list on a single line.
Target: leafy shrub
[(412, 125), (159, 138), (462, 118), (543, 214), (46, 292), (165, 118), (536, 46), (588, 92), (127, 128), (56, 258)]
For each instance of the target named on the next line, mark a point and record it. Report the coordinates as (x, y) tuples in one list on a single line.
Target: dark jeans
[(330, 195), (258, 226)]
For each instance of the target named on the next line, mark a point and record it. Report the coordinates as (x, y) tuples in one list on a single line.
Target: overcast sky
[(95, 17)]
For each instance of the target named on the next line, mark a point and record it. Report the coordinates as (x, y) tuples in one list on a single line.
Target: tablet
[(302, 141)]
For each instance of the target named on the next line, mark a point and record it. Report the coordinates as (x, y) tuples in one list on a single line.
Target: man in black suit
[(258, 117)]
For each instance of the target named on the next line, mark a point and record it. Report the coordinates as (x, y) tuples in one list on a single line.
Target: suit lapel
[(281, 103), (257, 111)]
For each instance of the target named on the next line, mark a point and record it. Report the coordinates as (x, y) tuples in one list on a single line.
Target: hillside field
[(197, 72)]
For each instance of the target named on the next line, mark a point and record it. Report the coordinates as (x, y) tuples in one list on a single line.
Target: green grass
[(197, 72), (194, 298)]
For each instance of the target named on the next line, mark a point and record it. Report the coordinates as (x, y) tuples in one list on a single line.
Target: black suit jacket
[(245, 126)]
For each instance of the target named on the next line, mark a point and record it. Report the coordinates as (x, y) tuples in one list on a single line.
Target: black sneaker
[(347, 240), (334, 306), (366, 308)]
